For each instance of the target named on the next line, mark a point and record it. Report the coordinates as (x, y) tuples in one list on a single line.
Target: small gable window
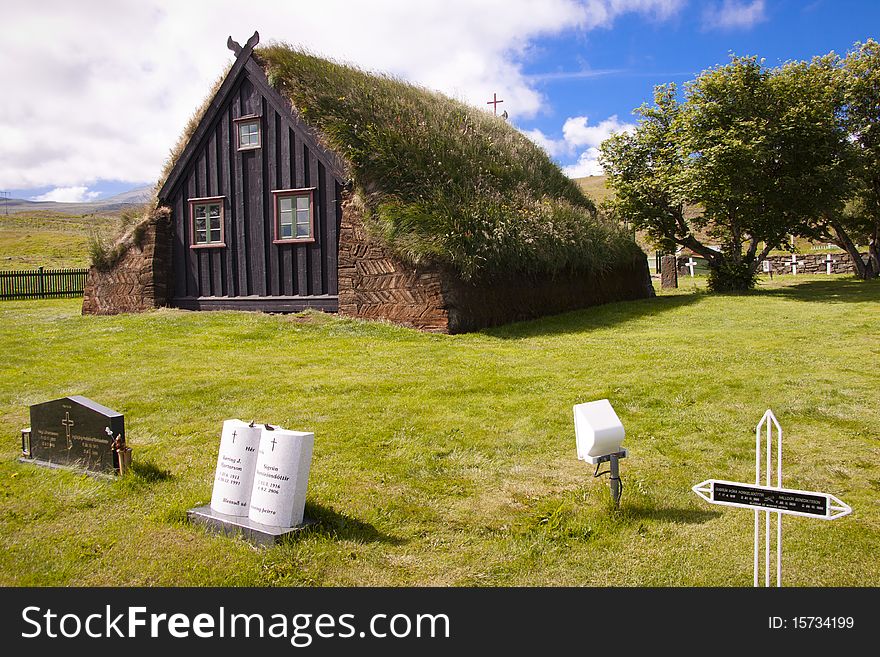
[(248, 128), (206, 218), (294, 215)]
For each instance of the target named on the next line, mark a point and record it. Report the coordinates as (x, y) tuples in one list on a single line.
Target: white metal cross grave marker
[(769, 498), (829, 264), (794, 264), (690, 264)]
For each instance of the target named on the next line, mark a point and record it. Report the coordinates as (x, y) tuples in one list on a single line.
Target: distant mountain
[(109, 205), (137, 196)]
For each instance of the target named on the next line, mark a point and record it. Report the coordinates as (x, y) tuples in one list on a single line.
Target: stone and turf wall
[(472, 306), (373, 284), (140, 278)]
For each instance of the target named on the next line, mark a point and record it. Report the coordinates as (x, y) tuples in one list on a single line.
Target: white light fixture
[(598, 431)]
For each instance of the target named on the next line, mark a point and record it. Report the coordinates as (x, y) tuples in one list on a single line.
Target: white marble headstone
[(281, 477), (234, 476)]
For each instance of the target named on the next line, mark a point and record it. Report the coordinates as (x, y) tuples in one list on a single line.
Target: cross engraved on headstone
[(274, 442), (92, 447), (829, 262), (234, 434), (67, 422)]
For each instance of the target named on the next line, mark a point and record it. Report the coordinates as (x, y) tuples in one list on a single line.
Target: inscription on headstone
[(76, 432), (234, 475), (281, 477)]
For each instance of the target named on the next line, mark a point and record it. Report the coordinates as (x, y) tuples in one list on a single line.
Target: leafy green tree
[(862, 87), (748, 157), (841, 92)]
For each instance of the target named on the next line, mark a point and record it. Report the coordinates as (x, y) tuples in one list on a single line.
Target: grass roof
[(441, 181)]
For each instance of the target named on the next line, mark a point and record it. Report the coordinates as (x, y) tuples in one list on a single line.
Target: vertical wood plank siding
[(251, 265)]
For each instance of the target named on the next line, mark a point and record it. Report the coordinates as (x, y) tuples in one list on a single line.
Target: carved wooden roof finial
[(235, 47)]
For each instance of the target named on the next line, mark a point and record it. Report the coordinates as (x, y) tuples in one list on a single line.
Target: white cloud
[(576, 134), (75, 194), (104, 89), (587, 165), (553, 147), (734, 14)]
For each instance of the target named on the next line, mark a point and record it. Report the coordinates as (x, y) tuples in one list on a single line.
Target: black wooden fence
[(42, 283)]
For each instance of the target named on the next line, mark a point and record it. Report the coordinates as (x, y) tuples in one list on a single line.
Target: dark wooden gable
[(252, 272)]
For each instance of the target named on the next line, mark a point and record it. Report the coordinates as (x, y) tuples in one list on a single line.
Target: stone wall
[(810, 263), (373, 284), (140, 279)]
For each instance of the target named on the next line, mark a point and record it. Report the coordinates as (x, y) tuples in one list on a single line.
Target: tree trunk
[(874, 253), (844, 242), (756, 260)]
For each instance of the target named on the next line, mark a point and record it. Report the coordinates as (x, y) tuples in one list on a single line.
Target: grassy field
[(44, 239), (594, 187), (450, 460)]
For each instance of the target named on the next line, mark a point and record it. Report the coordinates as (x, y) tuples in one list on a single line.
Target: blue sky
[(106, 87), (647, 53)]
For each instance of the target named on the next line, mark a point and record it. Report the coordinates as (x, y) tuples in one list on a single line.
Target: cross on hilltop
[(494, 102)]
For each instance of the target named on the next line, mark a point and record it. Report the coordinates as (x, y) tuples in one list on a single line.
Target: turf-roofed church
[(304, 183)]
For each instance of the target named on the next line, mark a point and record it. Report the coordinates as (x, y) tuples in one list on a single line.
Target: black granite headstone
[(75, 432)]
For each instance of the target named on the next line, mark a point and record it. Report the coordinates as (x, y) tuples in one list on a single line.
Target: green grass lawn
[(54, 241), (450, 460)]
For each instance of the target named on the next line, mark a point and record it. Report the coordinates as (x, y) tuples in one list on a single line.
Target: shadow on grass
[(666, 514), (848, 290), (594, 317), (148, 472), (143, 474), (337, 525)]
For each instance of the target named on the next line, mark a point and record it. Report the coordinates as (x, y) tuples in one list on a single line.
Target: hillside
[(109, 205), (441, 181), (594, 187), (51, 239)]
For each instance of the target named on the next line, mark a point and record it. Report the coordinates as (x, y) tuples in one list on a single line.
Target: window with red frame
[(206, 216), (294, 215)]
